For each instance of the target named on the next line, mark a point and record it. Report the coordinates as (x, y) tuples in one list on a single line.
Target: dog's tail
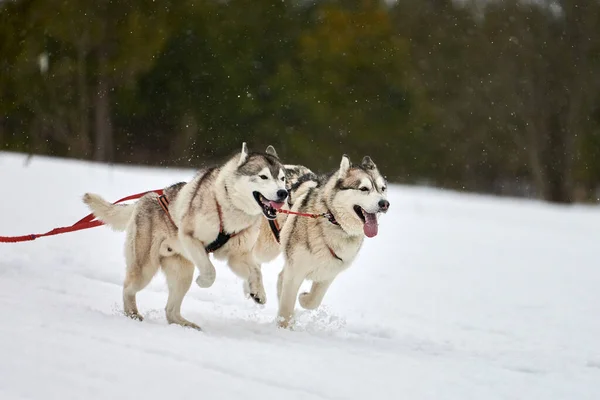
[(114, 215)]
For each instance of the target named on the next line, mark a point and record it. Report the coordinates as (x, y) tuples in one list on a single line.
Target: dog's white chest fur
[(333, 258)]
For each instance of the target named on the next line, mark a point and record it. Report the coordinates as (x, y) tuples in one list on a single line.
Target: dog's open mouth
[(269, 207), (370, 225)]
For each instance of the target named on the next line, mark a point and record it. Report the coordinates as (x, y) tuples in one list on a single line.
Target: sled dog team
[(236, 211)]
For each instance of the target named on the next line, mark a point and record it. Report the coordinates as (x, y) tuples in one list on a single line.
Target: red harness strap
[(164, 204), (221, 229), (84, 223), (274, 225), (333, 254)]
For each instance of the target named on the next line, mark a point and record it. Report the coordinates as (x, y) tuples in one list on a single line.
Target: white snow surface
[(460, 296)]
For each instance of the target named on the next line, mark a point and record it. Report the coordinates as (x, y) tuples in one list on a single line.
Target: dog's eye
[(264, 177), (383, 188), (364, 189), (282, 178)]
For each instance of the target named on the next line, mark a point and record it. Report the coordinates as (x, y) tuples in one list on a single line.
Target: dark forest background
[(498, 97)]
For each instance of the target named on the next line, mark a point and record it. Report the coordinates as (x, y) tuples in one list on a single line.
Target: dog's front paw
[(259, 298), (255, 292), (188, 324), (134, 315), (206, 280), (307, 301), (284, 323)]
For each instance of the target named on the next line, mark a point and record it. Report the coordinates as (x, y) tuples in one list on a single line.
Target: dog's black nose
[(384, 205), (282, 194)]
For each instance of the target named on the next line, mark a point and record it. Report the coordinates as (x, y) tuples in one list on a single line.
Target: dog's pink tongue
[(370, 227), (276, 205)]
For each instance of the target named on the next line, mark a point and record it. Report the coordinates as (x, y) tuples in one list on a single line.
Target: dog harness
[(275, 229), (221, 239)]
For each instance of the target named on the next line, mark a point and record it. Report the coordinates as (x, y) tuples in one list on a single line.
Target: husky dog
[(352, 199), (298, 179), (218, 211)]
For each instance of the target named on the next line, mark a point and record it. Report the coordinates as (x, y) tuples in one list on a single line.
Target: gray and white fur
[(232, 198), (319, 249), (298, 179)]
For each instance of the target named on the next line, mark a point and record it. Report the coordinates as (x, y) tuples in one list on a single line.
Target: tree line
[(494, 97)]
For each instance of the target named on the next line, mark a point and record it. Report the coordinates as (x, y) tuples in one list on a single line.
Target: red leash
[(327, 215), (84, 223), (89, 222), (302, 214)]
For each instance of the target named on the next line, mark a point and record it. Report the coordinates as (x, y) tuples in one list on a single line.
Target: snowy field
[(458, 297)]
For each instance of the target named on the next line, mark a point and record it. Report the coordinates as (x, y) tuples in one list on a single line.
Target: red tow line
[(302, 214), (84, 223), (89, 222)]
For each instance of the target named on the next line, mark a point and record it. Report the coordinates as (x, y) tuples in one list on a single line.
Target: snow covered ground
[(458, 297)]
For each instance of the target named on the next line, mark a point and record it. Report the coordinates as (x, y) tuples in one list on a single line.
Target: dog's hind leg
[(142, 265), (312, 299), (244, 266), (137, 277), (290, 284), (179, 273)]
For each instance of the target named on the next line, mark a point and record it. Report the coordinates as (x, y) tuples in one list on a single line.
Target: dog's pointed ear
[(367, 163), (344, 167), (243, 155), (271, 151)]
